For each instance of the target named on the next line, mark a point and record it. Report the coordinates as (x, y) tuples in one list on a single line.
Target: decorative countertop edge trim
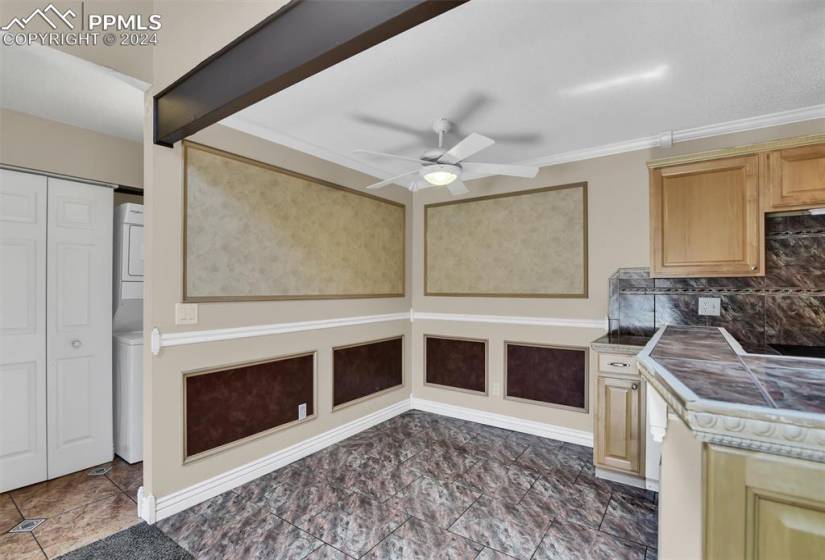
[(160, 340), (776, 431)]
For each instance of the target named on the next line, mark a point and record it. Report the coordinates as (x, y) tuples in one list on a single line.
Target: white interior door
[(22, 329), (79, 323)]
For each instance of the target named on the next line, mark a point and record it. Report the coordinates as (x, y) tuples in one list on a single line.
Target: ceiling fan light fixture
[(440, 174)]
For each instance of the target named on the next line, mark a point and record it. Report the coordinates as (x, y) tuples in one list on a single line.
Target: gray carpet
[(143, 542)]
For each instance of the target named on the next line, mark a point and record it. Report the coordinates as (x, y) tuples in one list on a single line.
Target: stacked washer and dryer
[(127, 330)]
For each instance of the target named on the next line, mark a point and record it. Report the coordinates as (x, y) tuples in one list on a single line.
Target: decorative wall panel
[(459, 363), (520, 244), (547, 374), (253, 231), (234, 403), (363, 370)]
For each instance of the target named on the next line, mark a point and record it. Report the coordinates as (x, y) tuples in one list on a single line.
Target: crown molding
[(643, 143), (265, 133)]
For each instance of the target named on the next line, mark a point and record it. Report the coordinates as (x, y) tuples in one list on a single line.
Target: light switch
[(709, 306), (302, 411), (186, 313)]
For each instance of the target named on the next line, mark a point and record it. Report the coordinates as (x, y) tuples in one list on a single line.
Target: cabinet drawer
[(618, 363)]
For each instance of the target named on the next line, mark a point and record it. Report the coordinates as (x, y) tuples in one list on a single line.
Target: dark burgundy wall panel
[(228, 405), (550, 375), (456, 363), (358, 371)]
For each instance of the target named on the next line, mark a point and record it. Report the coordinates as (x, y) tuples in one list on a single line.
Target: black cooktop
[(803, 351)]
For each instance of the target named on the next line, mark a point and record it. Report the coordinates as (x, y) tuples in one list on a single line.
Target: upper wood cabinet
[(706, 218), (795, 177)]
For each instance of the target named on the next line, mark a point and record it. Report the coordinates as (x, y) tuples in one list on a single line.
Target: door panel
[(79, 326), (619, 424), (22, 329), (762, 507), (706, 219), (797, 177)]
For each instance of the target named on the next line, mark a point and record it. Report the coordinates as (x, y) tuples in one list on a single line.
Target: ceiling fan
[(439, 168)]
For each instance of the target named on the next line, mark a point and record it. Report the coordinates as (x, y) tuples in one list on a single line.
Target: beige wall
[(618, 235), (165, 471), (194, 40), (46, 145)]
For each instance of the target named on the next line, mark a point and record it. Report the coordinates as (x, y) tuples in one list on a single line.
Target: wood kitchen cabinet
[(762, 506), (706, 218), (795, 177), (620, 416), (707, 210)]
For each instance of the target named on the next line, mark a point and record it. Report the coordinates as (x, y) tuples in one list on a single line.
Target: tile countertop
[(620, 344), (774, 404)]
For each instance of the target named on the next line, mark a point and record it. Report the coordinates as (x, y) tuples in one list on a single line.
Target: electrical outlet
[(302, 411), (186, 313), (709, 306), (496, 389)]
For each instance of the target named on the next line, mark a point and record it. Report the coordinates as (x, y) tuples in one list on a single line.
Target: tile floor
[(74, 510), (426, 486)]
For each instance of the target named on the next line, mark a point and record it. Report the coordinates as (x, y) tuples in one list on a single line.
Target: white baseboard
[(151, 509), (550, 431)]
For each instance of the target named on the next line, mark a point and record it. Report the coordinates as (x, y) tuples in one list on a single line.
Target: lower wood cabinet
[(620, 424), (761, 506)]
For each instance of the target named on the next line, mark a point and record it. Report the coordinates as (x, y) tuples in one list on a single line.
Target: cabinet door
[(619, 424), (79, 281), (706, 219), (762, 507), (796, 177), (22, 329)]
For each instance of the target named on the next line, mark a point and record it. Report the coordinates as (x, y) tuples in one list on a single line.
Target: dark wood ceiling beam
[(296, 42)]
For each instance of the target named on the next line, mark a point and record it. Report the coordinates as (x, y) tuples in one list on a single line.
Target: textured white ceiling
[(64, 88), (547, 77)]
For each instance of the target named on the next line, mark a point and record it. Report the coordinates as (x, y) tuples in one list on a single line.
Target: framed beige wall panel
[(522, 244), (253, 231)]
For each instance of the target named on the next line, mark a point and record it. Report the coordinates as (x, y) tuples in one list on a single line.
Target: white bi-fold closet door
[(55, 327)]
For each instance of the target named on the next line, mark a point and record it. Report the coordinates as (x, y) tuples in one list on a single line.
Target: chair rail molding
[(160, 340), (511, 320), (179, 338)]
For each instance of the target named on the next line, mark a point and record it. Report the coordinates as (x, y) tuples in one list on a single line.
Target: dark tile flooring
[(427, 486)]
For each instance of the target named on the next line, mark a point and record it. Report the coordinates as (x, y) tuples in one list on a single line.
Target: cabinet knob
[(754, 267), (76, 343), (634, 386)]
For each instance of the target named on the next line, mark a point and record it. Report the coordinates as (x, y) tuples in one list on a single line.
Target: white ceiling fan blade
[(404, 158), (473, 144), (457, 187), (391, 180), (500, 169)]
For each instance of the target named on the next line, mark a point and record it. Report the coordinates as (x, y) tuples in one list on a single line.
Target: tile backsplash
[(786, 306)]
